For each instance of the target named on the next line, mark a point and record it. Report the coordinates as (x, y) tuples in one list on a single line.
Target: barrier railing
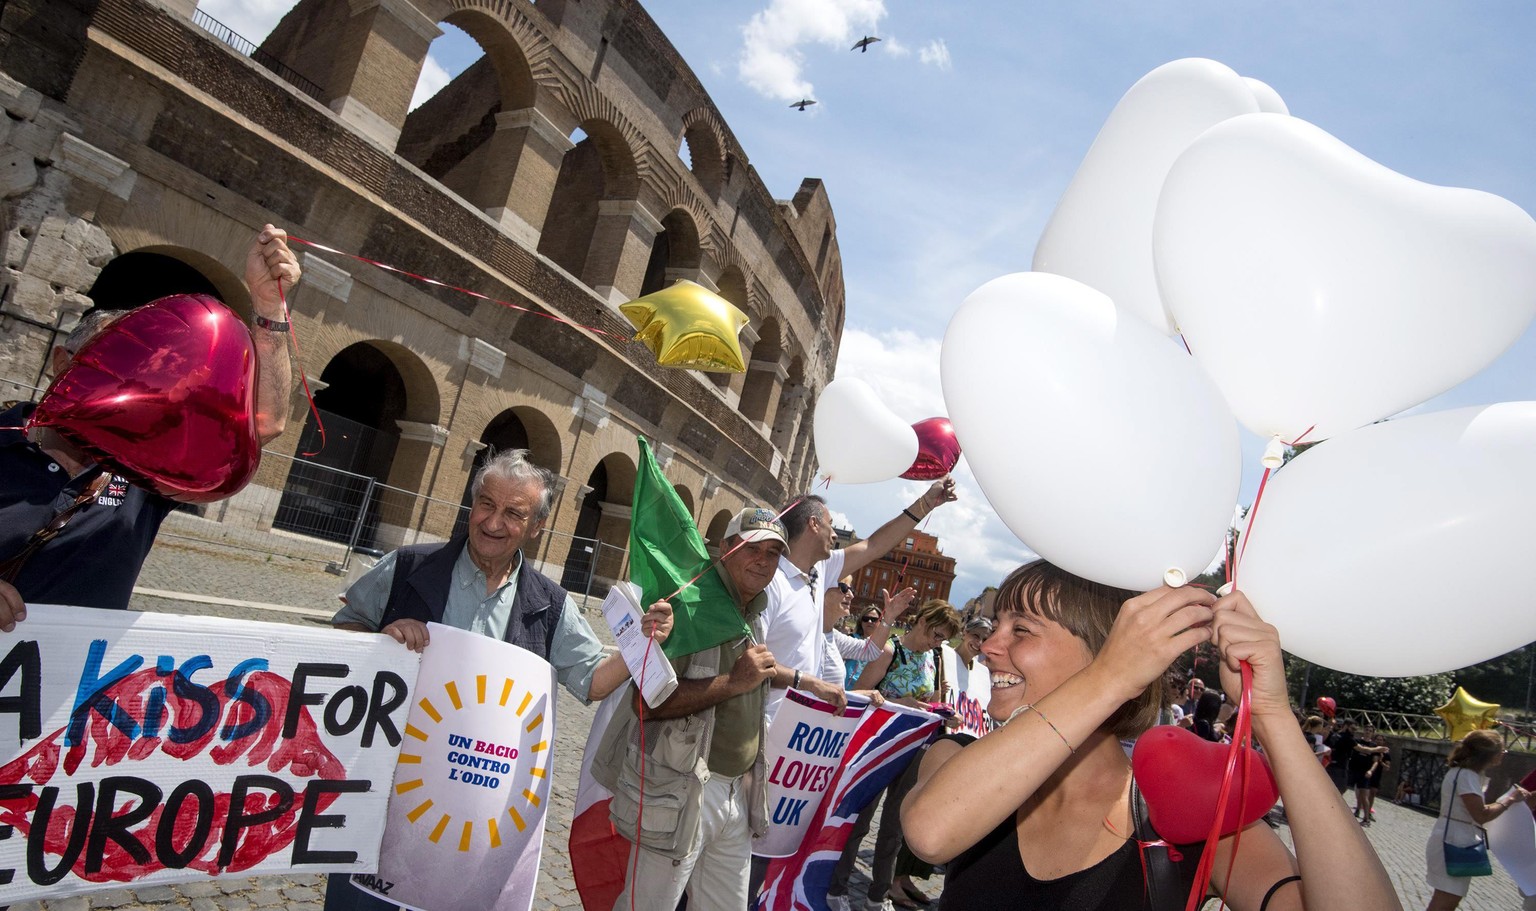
[(250, 49)]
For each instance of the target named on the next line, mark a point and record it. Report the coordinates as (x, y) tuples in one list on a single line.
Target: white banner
[(1512, 838), (466, 818), (968, 690), (805, 745), (156, 748)]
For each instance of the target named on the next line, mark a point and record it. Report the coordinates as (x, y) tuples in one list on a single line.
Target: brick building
[(577, 165), (917, 562)]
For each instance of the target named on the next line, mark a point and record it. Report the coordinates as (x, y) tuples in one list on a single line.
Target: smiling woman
[(1046, 809)]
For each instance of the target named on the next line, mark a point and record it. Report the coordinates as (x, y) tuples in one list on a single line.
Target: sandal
[(901, 897)]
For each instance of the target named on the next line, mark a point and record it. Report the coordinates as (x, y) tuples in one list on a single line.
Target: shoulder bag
[(1471, 860)]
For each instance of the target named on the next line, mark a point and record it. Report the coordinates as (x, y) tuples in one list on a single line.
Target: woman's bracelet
[(1027, 708)]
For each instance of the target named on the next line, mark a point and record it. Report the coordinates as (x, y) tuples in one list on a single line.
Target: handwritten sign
[(804, 747), (466, 822), (154, 748)]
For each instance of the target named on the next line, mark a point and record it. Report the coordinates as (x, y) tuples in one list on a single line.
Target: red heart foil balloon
[(165, 395), (1180, 773), (937, 450)]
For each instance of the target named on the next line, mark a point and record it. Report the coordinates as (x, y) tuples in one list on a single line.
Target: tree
[(1408, 695)]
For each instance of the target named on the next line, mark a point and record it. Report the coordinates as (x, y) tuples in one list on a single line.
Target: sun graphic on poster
[(476, 770)]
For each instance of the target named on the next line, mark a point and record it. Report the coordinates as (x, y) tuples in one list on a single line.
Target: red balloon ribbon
[(442, 284), (1242, 737)]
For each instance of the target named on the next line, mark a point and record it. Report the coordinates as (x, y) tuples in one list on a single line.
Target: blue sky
[(945, 147)]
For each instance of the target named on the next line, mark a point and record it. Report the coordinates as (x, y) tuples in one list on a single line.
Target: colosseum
[(578, 164)]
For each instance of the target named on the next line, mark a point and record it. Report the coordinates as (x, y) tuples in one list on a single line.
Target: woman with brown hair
[(1044, 812), (1463, 812)]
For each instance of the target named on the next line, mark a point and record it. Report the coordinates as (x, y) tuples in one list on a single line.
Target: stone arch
[(675, 253), (378, 406), (732, 285), (684, 494), (139, 276), (715, 533), (704, 138), (595, 193), (602, 527), (483, 135), (519, 427), (794, 402), (765, 375)]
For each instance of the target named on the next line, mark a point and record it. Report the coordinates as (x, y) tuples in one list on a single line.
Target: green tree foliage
[(1409, 695), (1505, 680)]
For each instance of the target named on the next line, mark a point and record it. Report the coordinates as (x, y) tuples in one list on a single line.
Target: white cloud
[(433, 79), (771, 56), (935, 53), (894, 47), (903, 369), (252, 20)]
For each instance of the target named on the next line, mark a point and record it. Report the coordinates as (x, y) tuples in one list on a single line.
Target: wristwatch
[(271, 325)]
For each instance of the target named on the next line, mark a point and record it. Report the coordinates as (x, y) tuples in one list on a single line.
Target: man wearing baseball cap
[(712, 784)]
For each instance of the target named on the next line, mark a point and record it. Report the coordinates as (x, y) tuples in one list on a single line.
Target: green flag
[(665, 552)]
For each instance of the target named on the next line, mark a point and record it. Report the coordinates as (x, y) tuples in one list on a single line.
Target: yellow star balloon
[(689, 326), (1463, 714)]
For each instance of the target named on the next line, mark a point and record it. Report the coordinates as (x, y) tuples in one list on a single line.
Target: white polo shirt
[(794, 619)]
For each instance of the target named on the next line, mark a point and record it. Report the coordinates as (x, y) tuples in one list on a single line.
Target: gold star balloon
[(689, 326), (1463, 714)]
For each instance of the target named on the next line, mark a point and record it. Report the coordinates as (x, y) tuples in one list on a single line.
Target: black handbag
[(1469, 861)]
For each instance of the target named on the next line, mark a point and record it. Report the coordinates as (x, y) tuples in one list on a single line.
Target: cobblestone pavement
[(216, 571)]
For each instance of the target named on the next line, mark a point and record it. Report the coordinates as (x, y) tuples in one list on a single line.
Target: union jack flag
[(886, 740)]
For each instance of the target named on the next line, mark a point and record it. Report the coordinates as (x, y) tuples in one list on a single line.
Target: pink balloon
[(1327, 706), (166, 396), (937, 450)]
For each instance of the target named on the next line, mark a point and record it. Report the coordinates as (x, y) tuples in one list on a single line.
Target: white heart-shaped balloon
[(1323, 290), (858, 439), (1096, 439), (1101, 231), (1402, 548)]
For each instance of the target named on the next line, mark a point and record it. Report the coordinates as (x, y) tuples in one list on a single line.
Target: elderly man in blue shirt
[(480, 582)]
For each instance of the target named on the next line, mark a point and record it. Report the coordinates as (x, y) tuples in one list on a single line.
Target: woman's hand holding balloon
[(1150, 631), (1239, 635)]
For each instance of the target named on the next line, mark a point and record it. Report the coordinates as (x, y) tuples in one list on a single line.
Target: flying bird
[(803, 103), (862, 45)]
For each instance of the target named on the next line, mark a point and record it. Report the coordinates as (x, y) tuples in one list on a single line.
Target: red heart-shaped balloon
[(937, 450), (165, 396), (1180, 773)]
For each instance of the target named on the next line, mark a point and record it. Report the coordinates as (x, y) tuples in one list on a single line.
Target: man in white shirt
[(796, 596), (806, 570)]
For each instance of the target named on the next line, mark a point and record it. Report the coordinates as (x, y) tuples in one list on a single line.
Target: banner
[(466, 815), (1512, 839), (969, 689), (887, 739), (156, 748), (804, 747)]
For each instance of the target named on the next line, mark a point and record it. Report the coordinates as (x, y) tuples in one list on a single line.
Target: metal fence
[(249, 48), (304, 510), (1519, 737)]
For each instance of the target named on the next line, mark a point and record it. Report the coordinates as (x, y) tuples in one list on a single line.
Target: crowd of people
[(1027, 801)]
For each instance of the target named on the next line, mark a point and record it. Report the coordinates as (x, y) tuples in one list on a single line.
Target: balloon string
[(722, 557), (1253, 513), (1241, 734), (1186, 345), (293, 333), (442, 284)]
